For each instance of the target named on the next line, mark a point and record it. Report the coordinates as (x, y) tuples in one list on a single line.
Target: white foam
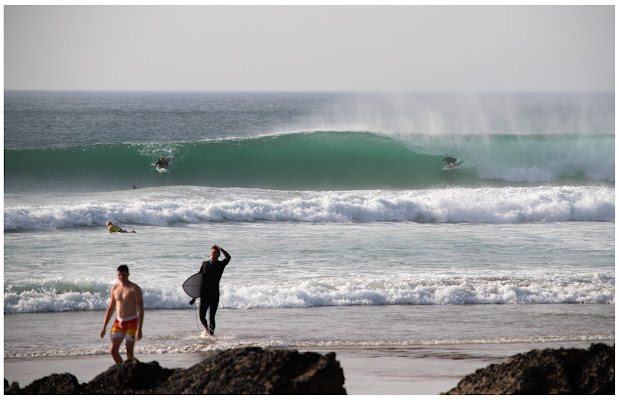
[(198, 205), (60, 295)]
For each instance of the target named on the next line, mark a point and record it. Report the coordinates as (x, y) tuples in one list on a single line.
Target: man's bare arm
[(109, 312), (139, 301)]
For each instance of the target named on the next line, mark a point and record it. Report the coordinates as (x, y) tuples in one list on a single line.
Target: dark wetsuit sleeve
[(226, 259)]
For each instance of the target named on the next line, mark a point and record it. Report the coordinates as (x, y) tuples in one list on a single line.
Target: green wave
[(311, 161)]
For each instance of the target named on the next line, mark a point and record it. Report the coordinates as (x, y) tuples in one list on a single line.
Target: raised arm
[(227, 257)]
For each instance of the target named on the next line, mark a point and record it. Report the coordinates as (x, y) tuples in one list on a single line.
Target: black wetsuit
[(450, 160), (209, 295), (162, 163)]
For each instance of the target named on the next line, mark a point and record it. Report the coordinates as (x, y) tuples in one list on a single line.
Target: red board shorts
[(125, 328)]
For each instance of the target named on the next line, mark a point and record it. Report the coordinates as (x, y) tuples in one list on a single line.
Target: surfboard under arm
[(193, 285)]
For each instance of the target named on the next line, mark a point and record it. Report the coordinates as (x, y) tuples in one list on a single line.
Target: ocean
[(345, 233)]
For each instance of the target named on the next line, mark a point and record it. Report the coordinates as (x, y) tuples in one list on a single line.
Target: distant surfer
[(126, 298), (115, 228), (212, 271), (133, 187), (449, 160), (162, 162)]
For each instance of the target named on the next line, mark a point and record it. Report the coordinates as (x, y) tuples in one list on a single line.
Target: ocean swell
[(318, 161)]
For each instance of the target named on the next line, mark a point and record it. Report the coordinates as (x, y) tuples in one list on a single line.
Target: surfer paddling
[(115, 228), (449, 160), (212, 271), (126, 299)]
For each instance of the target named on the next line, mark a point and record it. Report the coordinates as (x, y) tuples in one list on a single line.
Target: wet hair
[(123, 268)]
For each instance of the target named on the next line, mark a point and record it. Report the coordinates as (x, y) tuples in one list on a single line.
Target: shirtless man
[(126, 299)]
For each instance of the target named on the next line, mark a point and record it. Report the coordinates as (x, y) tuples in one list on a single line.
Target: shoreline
[(427, 370)]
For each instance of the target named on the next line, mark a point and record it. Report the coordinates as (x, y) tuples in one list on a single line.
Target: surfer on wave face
[(449, 160), (163, 162), (212, 271)]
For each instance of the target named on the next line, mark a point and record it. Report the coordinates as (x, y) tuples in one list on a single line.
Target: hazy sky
[(273, 48)]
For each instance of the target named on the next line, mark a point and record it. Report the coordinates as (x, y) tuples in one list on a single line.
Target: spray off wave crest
[(195, 205), (318, 161)]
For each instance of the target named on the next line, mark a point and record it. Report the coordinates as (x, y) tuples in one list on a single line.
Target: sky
[(310, 48)]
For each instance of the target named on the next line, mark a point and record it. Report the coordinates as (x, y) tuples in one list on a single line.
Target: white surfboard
[(453, 166), (193, 285)]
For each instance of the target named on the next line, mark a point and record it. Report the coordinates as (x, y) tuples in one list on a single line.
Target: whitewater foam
[(55, 295), (192, 205)]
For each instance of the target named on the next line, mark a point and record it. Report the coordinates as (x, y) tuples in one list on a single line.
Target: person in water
[(115, 228), (212, 271), (126, 299), (163, 162), (449, 160)]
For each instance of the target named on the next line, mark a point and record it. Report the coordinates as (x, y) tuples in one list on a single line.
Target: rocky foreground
[(254, 370), (561, 371), (248, 370)]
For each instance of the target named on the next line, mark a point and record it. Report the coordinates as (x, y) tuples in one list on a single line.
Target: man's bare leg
[(114, 350), (130, 345)]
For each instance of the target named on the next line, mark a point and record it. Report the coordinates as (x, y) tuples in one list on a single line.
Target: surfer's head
[(214, 253), (108, 223)]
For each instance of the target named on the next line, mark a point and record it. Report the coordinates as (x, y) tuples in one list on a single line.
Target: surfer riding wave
[(449, 160), (162, 162)]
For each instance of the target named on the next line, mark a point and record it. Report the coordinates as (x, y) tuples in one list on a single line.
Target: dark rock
[(52, 384), (130, 377), (560, 371), (254, 370), (249, 370)]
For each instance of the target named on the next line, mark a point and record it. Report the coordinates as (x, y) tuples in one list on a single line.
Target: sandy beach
[(366, 371), (395, 359), (398, 371)]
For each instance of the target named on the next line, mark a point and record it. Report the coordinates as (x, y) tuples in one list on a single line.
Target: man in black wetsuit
[(163, 162), (209, 295), (449, 160)]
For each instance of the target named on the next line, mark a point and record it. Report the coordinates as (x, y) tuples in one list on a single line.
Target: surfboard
[(193, 284), (453, 166)]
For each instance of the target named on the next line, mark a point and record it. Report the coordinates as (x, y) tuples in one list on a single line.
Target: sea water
[(344, 231)]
